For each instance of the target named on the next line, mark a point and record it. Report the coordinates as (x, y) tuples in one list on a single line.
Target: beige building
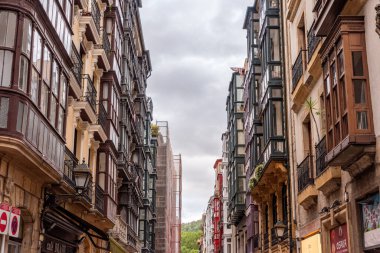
[(334, 125)]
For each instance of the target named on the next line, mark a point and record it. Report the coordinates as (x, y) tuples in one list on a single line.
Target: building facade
[(218, 207), (335, 124), (265, 130), (208, 227), (168, 193), (236, 174), (73, 101)]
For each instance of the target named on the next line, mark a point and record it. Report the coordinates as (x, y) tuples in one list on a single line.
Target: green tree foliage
[(190, 234)]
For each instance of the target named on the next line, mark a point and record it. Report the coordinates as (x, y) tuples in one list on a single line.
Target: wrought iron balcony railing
[(99, 199), (304, 172), (320, 151), (266, 240), (95, 13), (70, 163), (273, 236), (106, 43), (312, 42), (297, 69), (77, 64), (90, 94), (102, 116)]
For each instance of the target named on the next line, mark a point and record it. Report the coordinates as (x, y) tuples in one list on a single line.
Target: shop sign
[(14, 222), (55, 246), (4, 218), (339, 239), (371, 221)]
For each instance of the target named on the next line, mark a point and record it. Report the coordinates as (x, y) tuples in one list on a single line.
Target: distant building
[(169, 194), (208, 227)]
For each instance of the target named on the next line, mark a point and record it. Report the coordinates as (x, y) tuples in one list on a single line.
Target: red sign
[(4, 218), (14, 222), (339, 239)]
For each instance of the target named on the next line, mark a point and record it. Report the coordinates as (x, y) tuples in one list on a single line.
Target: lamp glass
[(280, 229)]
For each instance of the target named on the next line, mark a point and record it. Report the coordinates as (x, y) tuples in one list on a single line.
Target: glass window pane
[(37, 50), (357, 63), (23, 75), (4, 107), (53, 110), (26, 37), (44, 99), (361, 118), (60, 120), (46, 72), (6, 63), (34, 89), (62, 90), (55, 78), (7, 28), (274, 44), (340, 63), (359, 91)]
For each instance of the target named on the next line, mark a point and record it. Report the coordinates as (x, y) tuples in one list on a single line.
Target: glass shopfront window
[(370, 209)]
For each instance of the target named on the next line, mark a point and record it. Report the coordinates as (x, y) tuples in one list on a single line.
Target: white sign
[(4, 218), (14, 222)]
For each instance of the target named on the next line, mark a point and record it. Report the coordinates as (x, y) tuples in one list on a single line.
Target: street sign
[(4, 218), (14, 221)]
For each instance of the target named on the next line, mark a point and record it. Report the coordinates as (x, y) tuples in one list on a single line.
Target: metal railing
[(77, 64), (99, 199), (90, 94), (320, 154), (70, 163), (312, 43), (88, 194), (303, 171), (95, 13), (102, 116), (255, 241), (266, 240), (297, 69), (106, 43)]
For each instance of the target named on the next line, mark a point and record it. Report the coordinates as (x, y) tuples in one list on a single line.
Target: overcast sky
[(193, 44)]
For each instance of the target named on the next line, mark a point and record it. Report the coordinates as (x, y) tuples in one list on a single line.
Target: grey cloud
[(192, 45)]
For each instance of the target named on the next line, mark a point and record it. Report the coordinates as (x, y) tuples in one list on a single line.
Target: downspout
[(282, 31)]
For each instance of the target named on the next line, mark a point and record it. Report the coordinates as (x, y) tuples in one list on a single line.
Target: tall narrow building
[(265, 130), (236, 173), (169, 193), (333, 86)]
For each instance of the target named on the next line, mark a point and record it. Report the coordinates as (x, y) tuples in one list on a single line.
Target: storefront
[(65, 232), (311, 244), (370, 220)]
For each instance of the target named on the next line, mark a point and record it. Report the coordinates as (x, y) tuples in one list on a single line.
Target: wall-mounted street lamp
[(279, 229), (82, 177)]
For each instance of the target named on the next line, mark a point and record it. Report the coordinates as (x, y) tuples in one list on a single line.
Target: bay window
[(347, 91), (8, 21)]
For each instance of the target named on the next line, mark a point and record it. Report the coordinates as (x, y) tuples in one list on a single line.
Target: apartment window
[(347, 99), (4, 108), (8, 28)]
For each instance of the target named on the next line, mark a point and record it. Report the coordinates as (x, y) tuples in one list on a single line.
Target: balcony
[(99, 199), (266, 241), (69, 165), (132, 239), (87, 104), (303, 172), (320, 153), (350, 131), (119, 231), (274, 239), (329, 180), (102, 52), (76, 74), (312, 43), (102, 117), (327, 11), (298, 68), (90, 18), (307, 193)]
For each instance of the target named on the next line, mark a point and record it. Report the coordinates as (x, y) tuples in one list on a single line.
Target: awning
[(90, 230), (115, 247)]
